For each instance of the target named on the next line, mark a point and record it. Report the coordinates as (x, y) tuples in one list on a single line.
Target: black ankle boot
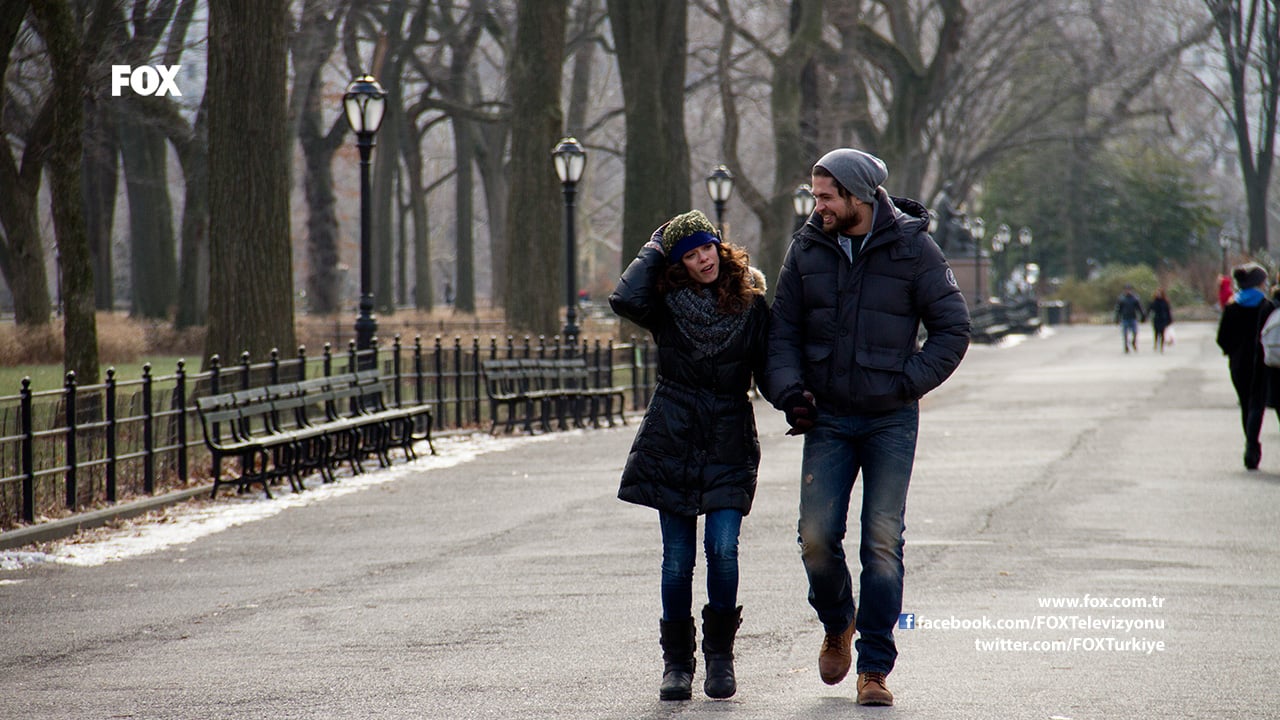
[(678, 645), (718, 631), (1252, 455)]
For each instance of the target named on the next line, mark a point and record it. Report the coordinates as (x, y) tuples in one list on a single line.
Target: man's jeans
[(680, 552), (1129, 333), (882, 448)]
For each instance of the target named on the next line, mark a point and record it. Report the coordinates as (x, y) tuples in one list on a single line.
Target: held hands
[(801, 412)]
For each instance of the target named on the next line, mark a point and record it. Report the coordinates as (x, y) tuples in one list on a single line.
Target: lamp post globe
[(570, 159), (365, 103), (720, 187), (1024, 239), (998, 243), (802, 202)]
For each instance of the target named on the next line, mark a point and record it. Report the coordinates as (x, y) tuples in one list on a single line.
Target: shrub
[(1098, 295)]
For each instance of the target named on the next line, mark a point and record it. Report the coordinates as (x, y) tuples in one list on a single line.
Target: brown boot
[(836, 656), (872, 690)]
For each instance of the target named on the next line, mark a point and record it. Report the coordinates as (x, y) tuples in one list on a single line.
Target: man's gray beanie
[(859, 172)]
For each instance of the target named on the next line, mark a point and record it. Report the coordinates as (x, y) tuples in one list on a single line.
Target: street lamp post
[(1024, 239), (978, 229), (365, 103), (720, 187), (1224, 242), (998, 243), (570, 160), (802, 202)]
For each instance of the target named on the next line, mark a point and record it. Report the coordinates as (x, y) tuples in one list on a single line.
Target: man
[(858, 279), (1128, 313)]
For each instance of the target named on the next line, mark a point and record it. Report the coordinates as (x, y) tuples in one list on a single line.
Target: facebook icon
[(907, 621)]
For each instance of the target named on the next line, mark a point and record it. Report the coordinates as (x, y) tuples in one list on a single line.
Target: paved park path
[(1082, 542)]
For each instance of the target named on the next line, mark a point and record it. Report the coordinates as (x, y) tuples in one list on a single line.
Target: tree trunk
[(193, 299), (386, 157), (534, 270), (651, 46), (251, 278), (153, 261), (422, 285), (490, 143), (22, 255), (101, 173), (1256, 54), (80, 333), (313, 44), (324, 284), (21, 250), (794, 108), (464, 200)]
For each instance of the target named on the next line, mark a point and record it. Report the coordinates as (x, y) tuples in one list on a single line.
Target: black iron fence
[(79, 447)]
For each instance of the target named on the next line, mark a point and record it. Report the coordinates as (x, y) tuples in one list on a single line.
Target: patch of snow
[(187, 522)]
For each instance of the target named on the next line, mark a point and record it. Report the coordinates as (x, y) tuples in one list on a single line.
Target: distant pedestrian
[(697, 452), (846, 366), (1161, 313), (1238, 328), (1129, 313)]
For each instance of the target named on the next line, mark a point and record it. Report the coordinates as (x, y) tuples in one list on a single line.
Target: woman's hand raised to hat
[(655, 240)]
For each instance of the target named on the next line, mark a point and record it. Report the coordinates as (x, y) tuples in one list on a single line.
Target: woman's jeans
[(680, 550), (882, 447)]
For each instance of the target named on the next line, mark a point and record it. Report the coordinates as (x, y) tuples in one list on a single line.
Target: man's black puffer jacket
[(847, 332), (696, 449)]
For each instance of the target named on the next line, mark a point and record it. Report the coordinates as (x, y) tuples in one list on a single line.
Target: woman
[(1242, 318), (696, 452), (1161, 318)]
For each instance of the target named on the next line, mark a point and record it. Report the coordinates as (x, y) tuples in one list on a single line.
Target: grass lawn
[(50, 377)]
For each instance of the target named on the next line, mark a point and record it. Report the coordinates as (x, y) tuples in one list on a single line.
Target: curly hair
[(736, 287)]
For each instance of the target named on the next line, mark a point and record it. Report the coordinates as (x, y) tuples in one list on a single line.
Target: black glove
[(801, 412)]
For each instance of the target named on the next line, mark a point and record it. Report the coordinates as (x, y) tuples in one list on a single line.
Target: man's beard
[(845, 226)]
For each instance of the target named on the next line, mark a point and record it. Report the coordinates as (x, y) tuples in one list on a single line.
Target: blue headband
[(689, 242)]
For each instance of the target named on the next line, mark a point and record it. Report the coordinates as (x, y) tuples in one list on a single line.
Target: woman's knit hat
[(1249, 275), (686, 232)]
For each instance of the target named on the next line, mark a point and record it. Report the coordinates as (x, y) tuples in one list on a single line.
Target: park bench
[(240, 426), (287, 430), (540, 388)]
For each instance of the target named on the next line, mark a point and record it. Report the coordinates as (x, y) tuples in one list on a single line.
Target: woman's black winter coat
[(1238, 331), (696, 449)]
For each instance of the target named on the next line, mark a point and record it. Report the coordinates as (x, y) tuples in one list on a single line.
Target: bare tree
[(793, 105), (651, 43), (320, 135), (250, 254), (533, 213), (1249, 34), (1009, 96), (68, 56), (28, 129)]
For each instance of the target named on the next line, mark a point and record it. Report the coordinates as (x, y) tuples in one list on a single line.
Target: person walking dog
[(696, 452), (845, 366)]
